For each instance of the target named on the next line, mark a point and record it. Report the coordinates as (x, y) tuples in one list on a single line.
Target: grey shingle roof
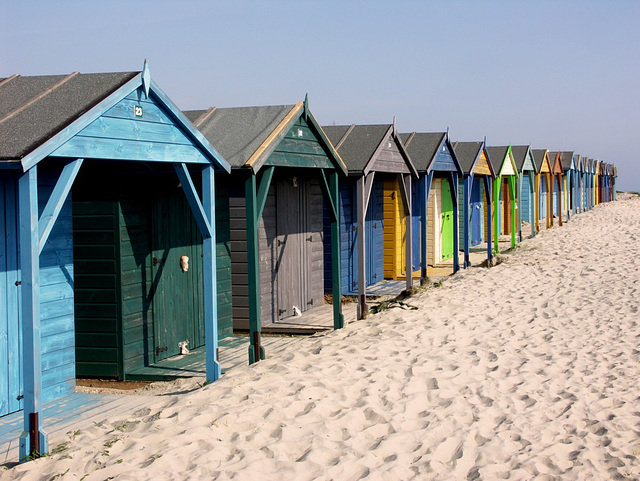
[(519, 155), (423, 147), (467, 153), (538, 157), (498, 156), (566, 158), (360, 145), (237, 132), (34, 109)]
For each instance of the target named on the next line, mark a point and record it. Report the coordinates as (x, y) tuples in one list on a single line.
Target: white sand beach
[(527, 370)]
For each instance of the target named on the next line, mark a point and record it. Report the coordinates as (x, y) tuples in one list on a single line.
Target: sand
[(527, 370)]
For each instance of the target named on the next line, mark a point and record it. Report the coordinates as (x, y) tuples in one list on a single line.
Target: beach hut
[(476, 203), (504, 194), (588, 194), (379, 180), (569, 161), (52, 130), (283, 170), (436, 195), (526, 190), (543, 187), (556, 175), (579, 197)]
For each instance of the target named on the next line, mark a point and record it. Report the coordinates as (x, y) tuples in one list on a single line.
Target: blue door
[(543, 199), (415, 226), (525, 203), (375, 234), (476, 213), (10, 337)]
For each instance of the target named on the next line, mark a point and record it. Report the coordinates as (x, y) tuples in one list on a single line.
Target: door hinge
[(310, 303), (281, 311), (161, 349), (310, 238), (18, 283), (280, 243), (20, 397), (156, 261)]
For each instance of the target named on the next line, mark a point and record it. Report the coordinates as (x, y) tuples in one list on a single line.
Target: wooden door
[(178, 310), (506, 205), (293, 247), (446, 221), (10, 335), (476, 214), (374, 228)]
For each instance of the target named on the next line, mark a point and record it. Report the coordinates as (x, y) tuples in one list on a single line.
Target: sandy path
[(527, 370)]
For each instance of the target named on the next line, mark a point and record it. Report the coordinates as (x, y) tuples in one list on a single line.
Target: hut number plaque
[(137, 111)]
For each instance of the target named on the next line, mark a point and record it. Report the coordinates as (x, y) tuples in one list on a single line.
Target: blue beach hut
[(526, 166), (476, 195), (51, 128), (379, 171)]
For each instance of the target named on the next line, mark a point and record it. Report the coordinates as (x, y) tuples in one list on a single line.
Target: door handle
[(156, 261)]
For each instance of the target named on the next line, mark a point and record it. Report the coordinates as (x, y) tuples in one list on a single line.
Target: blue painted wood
[(444, 161), (30, 278), (415, 225), (542, 211), (525, 198), (210, 299), (56, 201), (375, 234), (10, 338), (130, 150)]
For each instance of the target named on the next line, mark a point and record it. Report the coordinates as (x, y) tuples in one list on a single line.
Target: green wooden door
[(177, 288), (446, 224)]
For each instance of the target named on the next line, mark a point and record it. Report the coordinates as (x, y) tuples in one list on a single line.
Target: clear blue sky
[(562, 75)]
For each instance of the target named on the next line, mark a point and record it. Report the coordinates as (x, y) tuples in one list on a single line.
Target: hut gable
[(119, 116), (502, 159), (431, 152), (523, 158), (473, 158), (541, 159), (567, 160), (280, 135), (367, 148), (555, 162)]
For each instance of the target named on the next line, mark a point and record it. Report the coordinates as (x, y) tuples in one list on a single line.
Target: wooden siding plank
[(130, 150)]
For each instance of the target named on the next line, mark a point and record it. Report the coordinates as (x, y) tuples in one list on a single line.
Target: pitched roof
[(238, 132), (422, 147), (361, 142), (467, 153), (566, 158), (34, 109), (519, 155), (498, 156)]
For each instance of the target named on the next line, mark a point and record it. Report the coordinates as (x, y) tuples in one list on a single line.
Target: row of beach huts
[(130, 227)]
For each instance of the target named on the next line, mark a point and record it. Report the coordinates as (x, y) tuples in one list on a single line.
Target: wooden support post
[(537, 203), (427, 180), (213, 369), (408, 254), (532, 202), (56, 201), (497, 187), (514, 217), (255, 351), (549, 184), (453, 181), (331, 195), (33, 440), (338, 317), (559, 178), (361, 208), (519, 190), (488, 184), (467, 188)]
